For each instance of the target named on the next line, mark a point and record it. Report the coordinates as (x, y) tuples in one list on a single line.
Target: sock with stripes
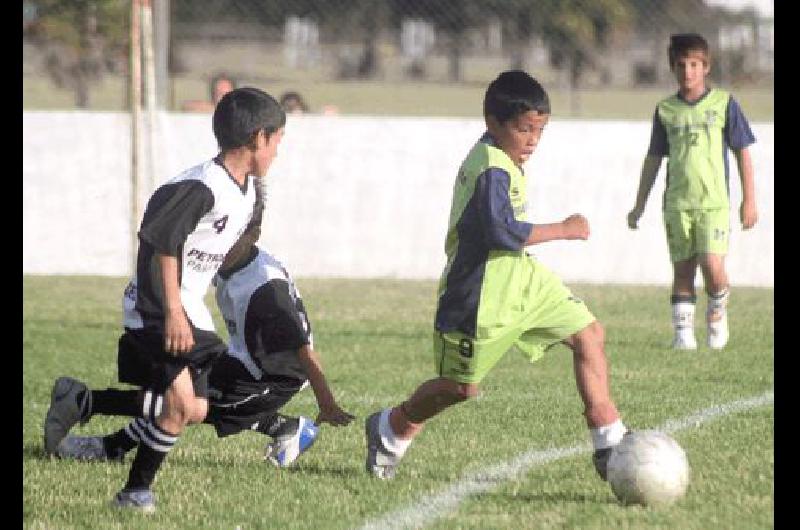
[(124, 439), (153, 448)]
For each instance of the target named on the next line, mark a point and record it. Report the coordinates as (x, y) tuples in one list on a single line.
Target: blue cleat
[(286, 448)]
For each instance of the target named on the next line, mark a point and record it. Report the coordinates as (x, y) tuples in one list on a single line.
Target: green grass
[(374, 340), (400, 98)]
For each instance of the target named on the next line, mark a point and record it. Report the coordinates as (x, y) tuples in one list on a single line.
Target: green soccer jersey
[(485, 244), (697, 173)]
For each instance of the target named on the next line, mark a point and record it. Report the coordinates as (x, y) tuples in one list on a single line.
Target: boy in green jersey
[(493, 296), (694, 129)]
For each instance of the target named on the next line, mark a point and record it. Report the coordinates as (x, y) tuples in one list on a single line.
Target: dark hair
[(287, 97), (680, 44), (241, 113), (514, 92), (212, 83)]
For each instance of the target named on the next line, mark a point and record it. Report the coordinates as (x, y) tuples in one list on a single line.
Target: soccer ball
[(648, 468)]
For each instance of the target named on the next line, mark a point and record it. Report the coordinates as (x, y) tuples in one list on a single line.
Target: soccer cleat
[(64, 411), (600, 459), (717, 331), (381, 462), (684, 340), (286, 448), (86, 448), (141, 499)]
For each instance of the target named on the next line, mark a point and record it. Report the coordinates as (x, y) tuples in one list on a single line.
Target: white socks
[(390, 441), (608, 435)]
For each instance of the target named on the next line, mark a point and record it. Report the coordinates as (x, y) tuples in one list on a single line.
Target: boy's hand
[(748, 215), (633, 218), (178, 338), (334, 415), (576, 226)]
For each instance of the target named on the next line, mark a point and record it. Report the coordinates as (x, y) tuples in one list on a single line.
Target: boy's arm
[(178, 338), (329, 410), (575, 226), (649, 172), (748, 213)]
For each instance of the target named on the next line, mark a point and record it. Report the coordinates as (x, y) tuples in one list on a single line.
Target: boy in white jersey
[(694, 129), (269, 359), (189, 225)]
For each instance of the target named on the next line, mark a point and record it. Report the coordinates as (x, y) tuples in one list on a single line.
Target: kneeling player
[(270, 358)]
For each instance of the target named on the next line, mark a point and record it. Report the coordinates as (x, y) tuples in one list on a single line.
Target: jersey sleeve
[(659, 146), (273, 322), (173, 213), (501, 229), (737, 130)]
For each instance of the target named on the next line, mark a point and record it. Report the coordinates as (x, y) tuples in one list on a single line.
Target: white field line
[(435, 505)]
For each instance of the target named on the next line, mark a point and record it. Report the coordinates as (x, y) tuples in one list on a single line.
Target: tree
[(81, 39)]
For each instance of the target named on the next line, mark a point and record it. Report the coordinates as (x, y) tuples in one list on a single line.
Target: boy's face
[(691, 71), (266, 151), (518, 136)]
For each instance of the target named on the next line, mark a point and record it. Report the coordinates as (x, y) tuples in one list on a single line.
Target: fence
[(339, 53)]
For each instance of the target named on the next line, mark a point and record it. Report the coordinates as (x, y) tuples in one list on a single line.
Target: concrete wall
[(369, 196)]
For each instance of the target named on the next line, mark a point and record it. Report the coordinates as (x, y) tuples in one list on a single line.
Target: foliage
[(82, 40)]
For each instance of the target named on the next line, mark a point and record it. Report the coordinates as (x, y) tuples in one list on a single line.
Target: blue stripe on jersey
[(502, 230), (487, 223), (737, 134)]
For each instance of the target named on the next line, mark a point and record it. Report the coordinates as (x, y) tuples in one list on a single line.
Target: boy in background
[(694, 129), (494, 296)]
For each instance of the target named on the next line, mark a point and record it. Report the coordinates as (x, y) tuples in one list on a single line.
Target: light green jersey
[(696, 169)]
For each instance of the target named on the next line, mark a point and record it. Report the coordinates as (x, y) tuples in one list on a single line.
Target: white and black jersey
[(265, 317), (196, 216)]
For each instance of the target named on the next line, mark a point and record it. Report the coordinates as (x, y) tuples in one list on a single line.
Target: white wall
[(369, 196)]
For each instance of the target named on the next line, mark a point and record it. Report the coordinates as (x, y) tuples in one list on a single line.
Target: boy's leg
[(157, 439), (591, 376), (681, 230), (717, 288), (683, 301), (390, 431)]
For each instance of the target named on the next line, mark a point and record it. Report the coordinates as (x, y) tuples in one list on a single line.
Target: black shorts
[(238, 401), (142, 361)]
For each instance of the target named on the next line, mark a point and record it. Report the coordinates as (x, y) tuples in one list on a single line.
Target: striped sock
[(124, 439), (153, 448)]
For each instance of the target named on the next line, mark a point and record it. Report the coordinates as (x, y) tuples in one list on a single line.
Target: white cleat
[(718, 332), (381, 462), (684, 340)]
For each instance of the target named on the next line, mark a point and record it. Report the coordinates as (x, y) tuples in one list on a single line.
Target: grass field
[(401, 99), (374, 340)]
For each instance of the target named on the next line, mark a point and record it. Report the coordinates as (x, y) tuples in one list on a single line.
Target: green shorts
[(554, 315), (692, 232)]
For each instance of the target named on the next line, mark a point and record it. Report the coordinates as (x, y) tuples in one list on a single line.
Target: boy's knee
[(200, 410), (465, 391), (181, 411)]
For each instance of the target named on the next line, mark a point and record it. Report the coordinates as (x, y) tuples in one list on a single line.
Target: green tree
[(81, 39)]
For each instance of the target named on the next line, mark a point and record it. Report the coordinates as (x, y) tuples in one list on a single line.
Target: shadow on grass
[(321, 470)]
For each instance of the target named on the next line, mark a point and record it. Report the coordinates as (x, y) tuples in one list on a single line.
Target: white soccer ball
[(648, 468)]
